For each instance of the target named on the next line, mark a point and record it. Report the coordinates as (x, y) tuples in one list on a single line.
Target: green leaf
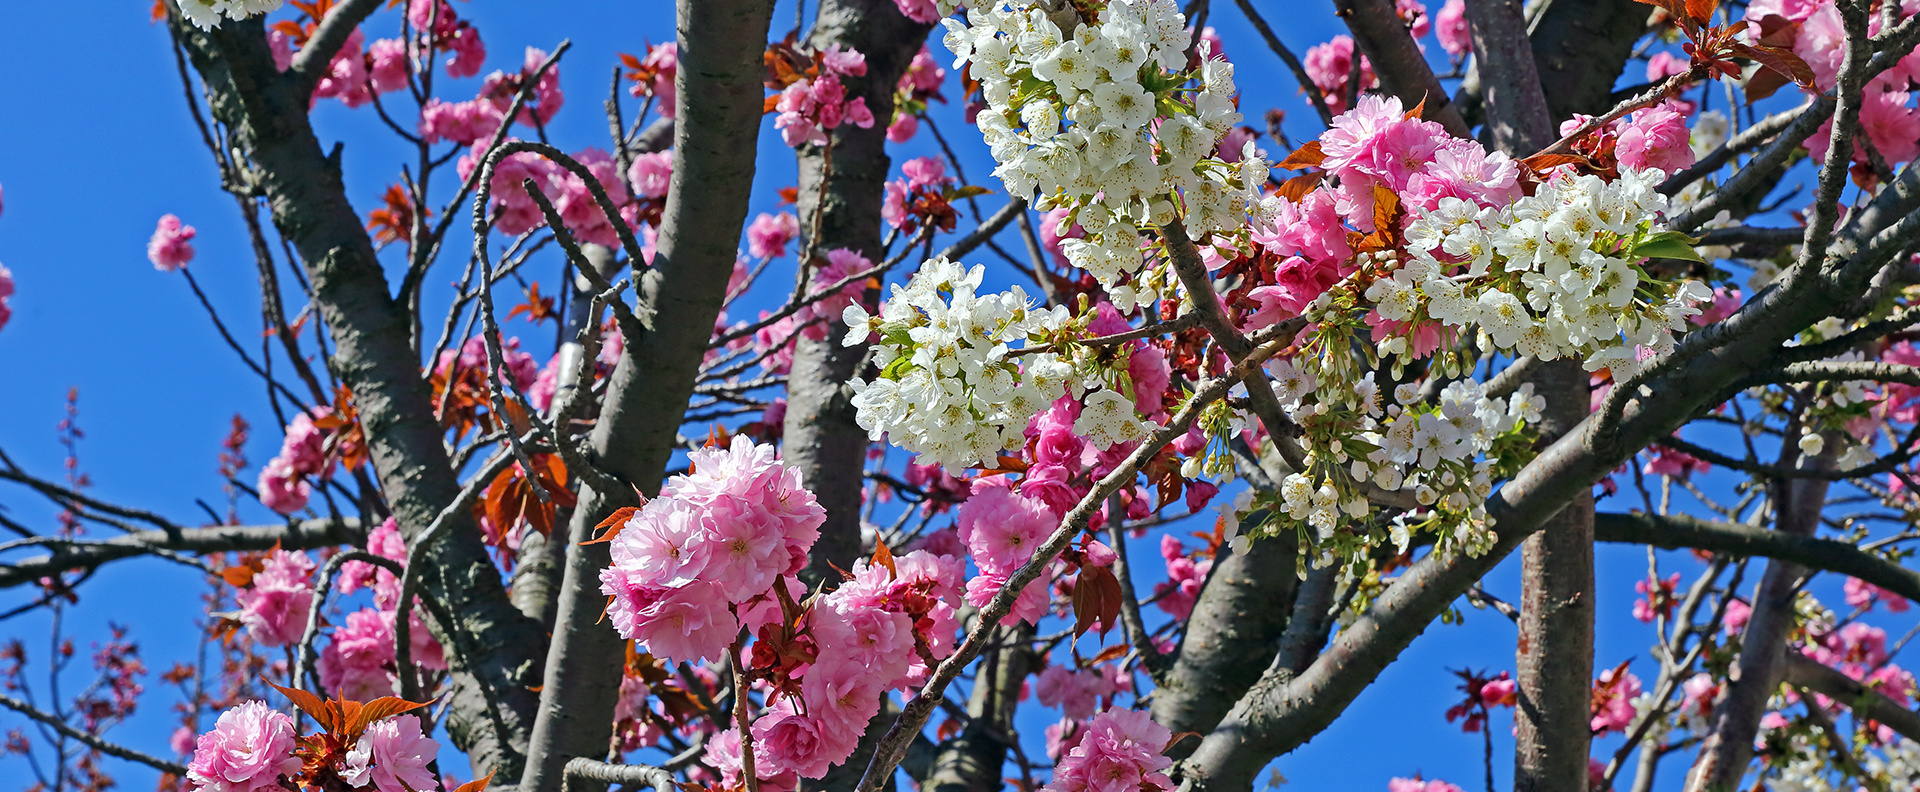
[(1667, 244)]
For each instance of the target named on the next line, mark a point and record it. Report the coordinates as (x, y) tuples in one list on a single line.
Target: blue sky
[(99, 145)]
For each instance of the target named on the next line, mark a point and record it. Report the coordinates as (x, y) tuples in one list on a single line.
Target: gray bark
[(1231, 635), (83, 554), (1554, 654), (266, 112), (715, 137), (972, 761), (1674, 532), (1728, 748)]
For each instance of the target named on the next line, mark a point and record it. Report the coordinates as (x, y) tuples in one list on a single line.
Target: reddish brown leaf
[(1386, 209), (319, 709), (1778, 59), (613, 524), (1297, 187), (1542, 163), (1113, 652), (1306, 156), (882, 556), (378, 710), (1096, 598), (238, 576), (1762, 84), (1701, 11), (1418, 111), (767, 105), (476, 785)]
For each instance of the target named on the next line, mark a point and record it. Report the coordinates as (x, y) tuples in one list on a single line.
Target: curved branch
[(1866, 702), (92, 741)]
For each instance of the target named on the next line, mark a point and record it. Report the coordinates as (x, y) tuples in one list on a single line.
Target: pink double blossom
[(392, 756), (346, 76), (1656, 598), (171, 246), (1076, 693), (1329, 64), (810, 107), (1416, 784), (461, 122), (1861, 594), (663, 62), (1116, 751), (248, 750), (274, 608), (1613, 701), (1450, 26), (651, 174), (1656, 137), (354, 664), (768, 234), (546, 99), (6, 293)]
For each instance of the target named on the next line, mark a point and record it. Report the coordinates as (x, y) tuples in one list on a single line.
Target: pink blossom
[(925, 12), (389, 71), (651, 174), (905, 125), (354, 664), (274, 609), (1665, 64), (435, 14), (1415, 784), (1378, 144), (1450, 26), (1415, 11), (501, 88), (1116, 751), (1051, 233), (1328, 65), (281, 488), (1736, 618), (1002, 528), (384, 541), (171, 246), (1500, 692), (786, 739), (469, 52), (1861, 594), (1310, 227), (346, 77), (6, 292), (280, 45), (842, 693), (250, 747), (1613, 701), (1234, 143), (1698, 695), (1029, 606), (1297, 282), (844, 61), (1656, 137), (768, 235), (1654, 599), (1464, 169), (1669, 462), (461, 122), (392, 755), (1726, 302), (1181, 589), (841, 264), (663, 61), (1076, 693)]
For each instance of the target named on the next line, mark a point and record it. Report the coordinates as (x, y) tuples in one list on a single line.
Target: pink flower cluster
[(384, 541), (515, 212), (274, 608), (925, 12), (1117, 751), (651, 174), (768, 234), (1415, 784), (1181, 589), (359, 71), (1329, 65), (1861, 594), (1001, 529), (449, 32), (1656, 598), (248, 750), (810, 106), (283, 481), (461, 122), (172, 244), (1079, 693), (662, 64), (1613, 695), (6, 292), (1450, 26), (921, 82), (713, 540), (1891, 124), (546, 99), (355, 664), (392, 756), (923, 175), (1669, 462), (1654, 137)]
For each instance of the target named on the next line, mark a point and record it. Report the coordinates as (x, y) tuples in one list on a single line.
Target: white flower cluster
[(207, 14), (1443, 453), (1071, 112), (1554, 275), (950, 387)]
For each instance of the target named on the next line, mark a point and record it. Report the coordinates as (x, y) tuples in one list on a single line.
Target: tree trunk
[(715, 134)]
